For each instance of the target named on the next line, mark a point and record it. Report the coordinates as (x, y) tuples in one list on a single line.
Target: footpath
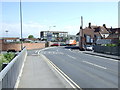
[(37, 74)]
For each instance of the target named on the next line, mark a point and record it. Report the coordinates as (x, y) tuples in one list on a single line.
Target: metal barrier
[(107, 50), (9, 75)]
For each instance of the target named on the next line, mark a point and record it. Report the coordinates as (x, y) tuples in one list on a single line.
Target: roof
[(115, 30), (10, 38), (113, 36)]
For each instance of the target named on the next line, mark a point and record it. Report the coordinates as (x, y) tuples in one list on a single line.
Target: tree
[(30, 36)]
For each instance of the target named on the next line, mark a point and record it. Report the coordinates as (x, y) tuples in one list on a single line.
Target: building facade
[(91, 34), (53, 36)]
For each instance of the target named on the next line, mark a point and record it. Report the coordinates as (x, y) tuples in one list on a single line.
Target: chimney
[(89, 25), (104, 25)]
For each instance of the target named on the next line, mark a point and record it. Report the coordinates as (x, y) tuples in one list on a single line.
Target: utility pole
[(81, 34), (21, 25)]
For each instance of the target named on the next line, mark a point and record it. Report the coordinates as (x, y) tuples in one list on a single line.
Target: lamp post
[(48, 34), (50, 27), (21, 24), (6, 32)]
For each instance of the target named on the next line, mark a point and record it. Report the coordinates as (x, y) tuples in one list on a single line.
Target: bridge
[(29, 70)]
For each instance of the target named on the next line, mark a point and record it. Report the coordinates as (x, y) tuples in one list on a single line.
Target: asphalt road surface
[(87, 71)]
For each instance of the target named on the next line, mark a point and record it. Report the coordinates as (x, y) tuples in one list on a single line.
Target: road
[(87, 71)]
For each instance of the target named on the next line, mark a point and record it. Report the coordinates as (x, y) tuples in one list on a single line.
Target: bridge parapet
[(10, 74)]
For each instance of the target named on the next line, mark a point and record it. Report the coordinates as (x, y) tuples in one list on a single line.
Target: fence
[(107, 50), (9, 75)]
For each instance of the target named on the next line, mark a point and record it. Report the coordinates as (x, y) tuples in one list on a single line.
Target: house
[(114, 35), (90, 34)]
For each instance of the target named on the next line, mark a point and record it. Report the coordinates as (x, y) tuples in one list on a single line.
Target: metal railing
[(9, 75), (107, 50)]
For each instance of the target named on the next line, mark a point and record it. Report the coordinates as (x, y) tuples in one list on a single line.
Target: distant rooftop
[(9, 38)]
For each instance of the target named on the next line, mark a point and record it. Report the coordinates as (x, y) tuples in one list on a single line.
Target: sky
[(66, 16)]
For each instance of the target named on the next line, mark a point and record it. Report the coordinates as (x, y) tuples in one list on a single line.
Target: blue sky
[(38, 16)]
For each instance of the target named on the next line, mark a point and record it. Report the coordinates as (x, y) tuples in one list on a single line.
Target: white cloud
[(72, 29), (32, 28), (28, 28)]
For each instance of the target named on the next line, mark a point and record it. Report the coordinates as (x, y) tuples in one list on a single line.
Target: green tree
[(30, 36)]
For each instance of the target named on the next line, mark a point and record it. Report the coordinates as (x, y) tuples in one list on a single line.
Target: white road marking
[(94, 64), (71, 56), (36, 51)]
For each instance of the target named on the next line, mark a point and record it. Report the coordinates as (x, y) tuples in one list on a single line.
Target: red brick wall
[(17, 47), (30, 46), (0, 44)]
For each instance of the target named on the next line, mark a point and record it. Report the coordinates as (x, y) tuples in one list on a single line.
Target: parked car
[(55, 44), (89, 47), (62, 44)]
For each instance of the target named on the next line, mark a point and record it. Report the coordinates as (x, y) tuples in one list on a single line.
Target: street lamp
[(50, 27), (49, 35), (6, 33), (21, 24)]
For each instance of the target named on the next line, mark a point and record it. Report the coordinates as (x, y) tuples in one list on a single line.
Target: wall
[(107, 50), (17, 47), (0, 45), (10, 74)]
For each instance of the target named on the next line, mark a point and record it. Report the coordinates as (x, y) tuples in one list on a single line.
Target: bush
[(6, 58), (111, 45), (9, 56)]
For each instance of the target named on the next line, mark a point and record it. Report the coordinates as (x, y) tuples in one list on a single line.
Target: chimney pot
[(89, 25), (104, 25)]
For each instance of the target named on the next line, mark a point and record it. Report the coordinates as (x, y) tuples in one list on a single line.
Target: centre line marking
[(94, 64)]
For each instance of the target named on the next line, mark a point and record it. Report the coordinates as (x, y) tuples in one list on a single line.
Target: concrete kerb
[(61, 75)]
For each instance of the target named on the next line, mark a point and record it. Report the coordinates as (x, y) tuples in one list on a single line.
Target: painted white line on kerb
[(94, 64)]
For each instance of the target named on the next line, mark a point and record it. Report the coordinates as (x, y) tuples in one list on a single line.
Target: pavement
[(102, 55), (38, 74)]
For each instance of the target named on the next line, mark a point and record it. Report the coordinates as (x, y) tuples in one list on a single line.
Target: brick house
[(114, 35), (92, 33)]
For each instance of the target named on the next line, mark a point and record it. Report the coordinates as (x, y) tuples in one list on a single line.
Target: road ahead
[(87, 71)]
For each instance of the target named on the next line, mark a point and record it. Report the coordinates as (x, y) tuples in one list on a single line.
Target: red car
[(55, 44)]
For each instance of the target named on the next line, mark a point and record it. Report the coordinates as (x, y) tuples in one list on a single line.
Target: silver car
[(89, 47)]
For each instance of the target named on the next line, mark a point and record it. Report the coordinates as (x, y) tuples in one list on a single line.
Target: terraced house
[(91, 34)]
